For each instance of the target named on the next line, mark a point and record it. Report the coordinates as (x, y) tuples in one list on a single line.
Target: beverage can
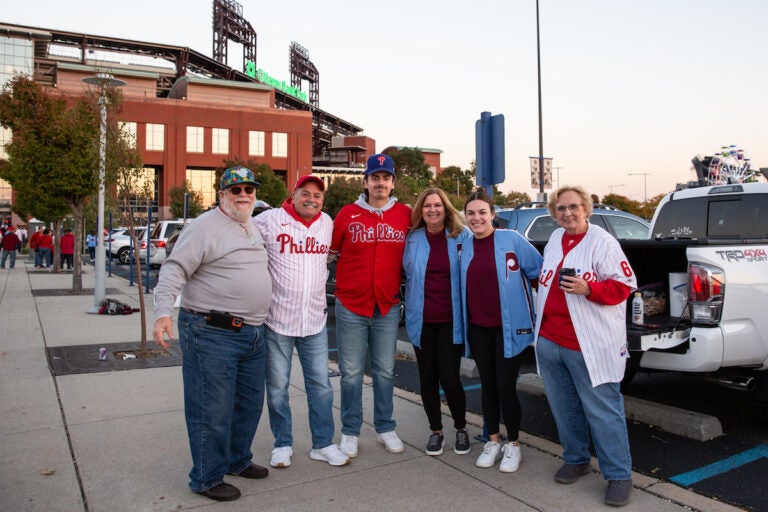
[(102, 354), (565, 272)]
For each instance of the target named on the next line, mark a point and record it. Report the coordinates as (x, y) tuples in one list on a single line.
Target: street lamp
[(102, 80), (645, 188), (542, 196)]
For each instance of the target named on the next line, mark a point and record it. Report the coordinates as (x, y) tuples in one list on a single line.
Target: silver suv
[(118, 243), (157, 240)]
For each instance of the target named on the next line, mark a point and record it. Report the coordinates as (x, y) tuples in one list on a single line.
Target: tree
[(514, 199), (176, 195), (454, 180), (272, 190), (59, 142), (340, 192), (623, 203), (412, 174)]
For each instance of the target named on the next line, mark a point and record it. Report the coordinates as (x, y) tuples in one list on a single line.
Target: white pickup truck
[(704, 275)]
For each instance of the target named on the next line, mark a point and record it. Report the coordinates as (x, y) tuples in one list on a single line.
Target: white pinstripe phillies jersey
[(600, 329), (297, 264)]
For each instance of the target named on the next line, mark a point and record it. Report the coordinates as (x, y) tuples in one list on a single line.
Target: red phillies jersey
[(370, 265)]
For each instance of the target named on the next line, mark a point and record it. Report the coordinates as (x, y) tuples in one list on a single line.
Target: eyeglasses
[(571, 207), (249, 189)]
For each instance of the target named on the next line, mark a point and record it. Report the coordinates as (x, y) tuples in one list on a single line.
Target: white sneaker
[(510, 461), (348, 446), (281, 457), (487, 459), (391, 442), (330, 454)]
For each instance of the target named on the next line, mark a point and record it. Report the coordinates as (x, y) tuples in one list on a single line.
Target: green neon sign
[(263, 76)]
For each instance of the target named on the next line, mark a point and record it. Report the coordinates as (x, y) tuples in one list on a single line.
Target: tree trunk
[(128, 216), (77, 270)]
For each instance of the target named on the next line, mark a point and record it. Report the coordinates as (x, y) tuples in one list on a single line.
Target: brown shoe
[(254, 471), (221, 492)]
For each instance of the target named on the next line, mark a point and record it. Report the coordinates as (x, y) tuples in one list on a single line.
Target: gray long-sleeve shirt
[(220, 267)]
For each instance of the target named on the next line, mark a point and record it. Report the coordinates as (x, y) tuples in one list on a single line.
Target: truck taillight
[(705, 292)]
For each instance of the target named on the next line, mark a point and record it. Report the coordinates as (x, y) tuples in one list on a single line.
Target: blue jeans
[(356, 335), (223, 374), (313, 355), (579, 408), (12, 254), (46, 257)]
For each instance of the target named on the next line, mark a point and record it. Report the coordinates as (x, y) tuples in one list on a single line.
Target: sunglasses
[(236, 190), (571, 207)]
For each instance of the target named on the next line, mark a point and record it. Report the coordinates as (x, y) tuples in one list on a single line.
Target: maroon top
[(483, 301), (438, 307)]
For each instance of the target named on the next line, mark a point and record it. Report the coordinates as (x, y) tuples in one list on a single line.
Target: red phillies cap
[(310, 177)]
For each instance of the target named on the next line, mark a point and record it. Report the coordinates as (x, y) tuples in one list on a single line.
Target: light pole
[(645, 188), (611, 187), (542, 195), (102, 80)]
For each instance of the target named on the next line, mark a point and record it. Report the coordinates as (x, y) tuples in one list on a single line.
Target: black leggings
[(439, 363), (498, 378)]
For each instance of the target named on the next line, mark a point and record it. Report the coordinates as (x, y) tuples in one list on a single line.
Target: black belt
[(220, 319)]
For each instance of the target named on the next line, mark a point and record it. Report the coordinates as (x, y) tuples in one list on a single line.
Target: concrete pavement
[(116, 441)]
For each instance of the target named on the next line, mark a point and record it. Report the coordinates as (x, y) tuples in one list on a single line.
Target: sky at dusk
[(627, 87)]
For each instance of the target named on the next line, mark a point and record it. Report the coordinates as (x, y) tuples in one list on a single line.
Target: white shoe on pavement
[(510, 461), (330, 454), (487, 459), (348, 446), (281, 457), (391, 442)]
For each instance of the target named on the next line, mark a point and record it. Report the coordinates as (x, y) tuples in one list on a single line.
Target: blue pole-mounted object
[(489, 151)]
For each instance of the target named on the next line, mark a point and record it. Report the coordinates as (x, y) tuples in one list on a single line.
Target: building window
[(203, 180), (279, 144), (15, 58), (256, 143), (5, 138), (128, 130), (5, 193), (220, 141), (195, 142), (155, 137)]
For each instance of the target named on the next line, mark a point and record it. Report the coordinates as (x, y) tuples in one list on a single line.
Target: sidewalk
[(116, 441)]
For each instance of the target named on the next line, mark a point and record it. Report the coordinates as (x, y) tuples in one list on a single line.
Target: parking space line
[(471, 387), (720, 467)]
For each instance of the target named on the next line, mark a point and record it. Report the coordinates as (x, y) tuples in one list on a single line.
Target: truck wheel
[(633, 365), (123, 256), (759, 399)]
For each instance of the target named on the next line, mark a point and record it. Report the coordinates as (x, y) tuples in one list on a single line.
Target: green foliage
[(455, 181), (411, 168), (513, 199), (341, 192), (623, 203), (176, 195)]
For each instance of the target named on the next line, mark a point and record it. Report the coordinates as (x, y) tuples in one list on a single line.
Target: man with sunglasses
[(220, 260), (298, 235)]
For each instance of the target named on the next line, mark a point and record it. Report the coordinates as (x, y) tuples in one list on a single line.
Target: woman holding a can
[(498, 267), (581, 346)]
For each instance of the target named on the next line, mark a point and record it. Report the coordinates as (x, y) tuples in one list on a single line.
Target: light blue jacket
[(517, 263), (415, 260)]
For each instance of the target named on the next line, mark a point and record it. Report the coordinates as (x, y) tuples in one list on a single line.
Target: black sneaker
[(462, 446), (435, 444), (618, 492)]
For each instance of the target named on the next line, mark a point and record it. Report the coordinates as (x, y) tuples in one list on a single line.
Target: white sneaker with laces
[(281, 457), (487, 459), (391, 442), (330, 454), (510, 461), (348, 446)]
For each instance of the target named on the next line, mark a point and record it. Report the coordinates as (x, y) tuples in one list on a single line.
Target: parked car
[(171, 242), (157, 240), (330, 290), (533, 221), (118, 243)]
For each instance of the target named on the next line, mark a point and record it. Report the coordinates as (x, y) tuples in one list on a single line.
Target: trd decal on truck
[(743, 255)]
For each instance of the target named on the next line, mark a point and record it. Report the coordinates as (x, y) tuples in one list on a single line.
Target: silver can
[(102, 354)]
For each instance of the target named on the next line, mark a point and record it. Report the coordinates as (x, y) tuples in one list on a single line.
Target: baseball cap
[(309, 177), (237, 176), (379, 162)]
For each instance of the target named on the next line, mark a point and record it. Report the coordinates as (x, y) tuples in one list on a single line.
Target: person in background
[(498, 268), (298, 236), (220, 261), (433, 312), (91, 240), (45, 247), (10, 244), (581, 346), (34, 245), (67, 248), (369, 238)]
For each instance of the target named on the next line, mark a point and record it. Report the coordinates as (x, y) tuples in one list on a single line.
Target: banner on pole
[(535, 172)]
